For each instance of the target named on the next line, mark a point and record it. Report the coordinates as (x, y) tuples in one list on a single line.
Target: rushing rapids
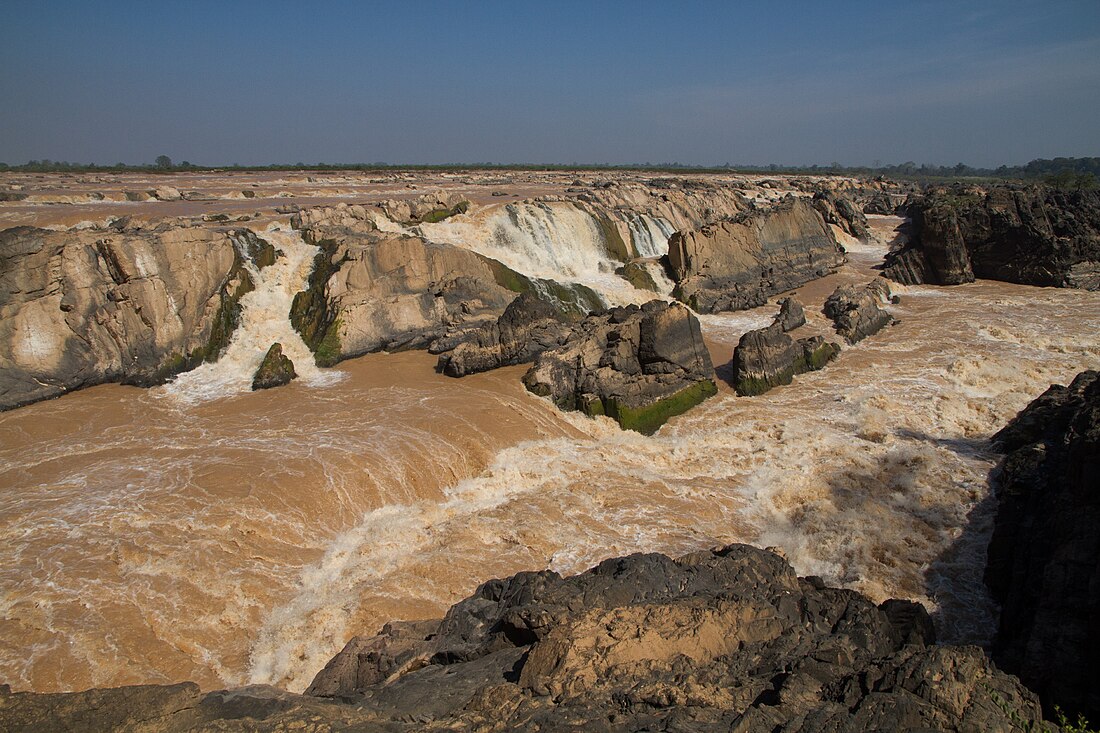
[(245, 538)]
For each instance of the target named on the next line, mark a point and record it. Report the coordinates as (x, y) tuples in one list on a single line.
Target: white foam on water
[(264, 320)]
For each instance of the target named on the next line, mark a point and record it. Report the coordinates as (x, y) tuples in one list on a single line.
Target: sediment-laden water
[(246, 537)]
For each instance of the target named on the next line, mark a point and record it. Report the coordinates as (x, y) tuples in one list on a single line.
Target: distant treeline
[(1059, 171)]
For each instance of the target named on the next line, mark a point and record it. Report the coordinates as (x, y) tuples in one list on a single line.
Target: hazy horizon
[(698, 84)]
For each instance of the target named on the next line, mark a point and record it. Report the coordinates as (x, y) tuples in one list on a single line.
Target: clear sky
[(258, 82)]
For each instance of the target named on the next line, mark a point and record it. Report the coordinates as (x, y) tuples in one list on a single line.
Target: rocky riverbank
[(1028, 235), (728, 639)]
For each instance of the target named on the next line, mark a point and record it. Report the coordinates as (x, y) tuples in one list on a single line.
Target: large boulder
[(1044, 556), (741, 262), (639, 365), (79, 308), (1033, 236), (275, 370), (855, 309), (768, 357)]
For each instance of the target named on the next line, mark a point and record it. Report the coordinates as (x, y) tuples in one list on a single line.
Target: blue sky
[(590, 82)]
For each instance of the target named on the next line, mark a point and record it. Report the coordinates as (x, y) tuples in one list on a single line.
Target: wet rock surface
[(728, 639), (1044, 556), (855, 310), (1033, 236), (740, 262), (768, 357), (639, 365), (275, 370)]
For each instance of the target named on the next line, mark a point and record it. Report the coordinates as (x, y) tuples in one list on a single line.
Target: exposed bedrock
[(638, 365), (769, 357), (1032, 236), (729, 639), (855, 309), (740, 262), (1044, 556), (79, 308), (838, 210), (529, 325)]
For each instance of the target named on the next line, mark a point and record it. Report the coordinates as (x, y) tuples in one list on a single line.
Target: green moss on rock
[(646, 420), (637, 275), (311, 314), (437, 215), (616, 246)]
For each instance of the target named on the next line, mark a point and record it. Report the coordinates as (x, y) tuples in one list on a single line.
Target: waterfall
[(650, 235), (264, 320), (553, 241)]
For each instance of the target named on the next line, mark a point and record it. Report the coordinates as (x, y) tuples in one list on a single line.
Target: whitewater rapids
[(246, 538)]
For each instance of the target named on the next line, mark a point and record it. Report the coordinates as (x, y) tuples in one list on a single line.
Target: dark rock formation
[(856, 312), (640, 366), (1044, 557), (79, 308), (741, 262), (886, 204), (275, 370), (841, 212), (528, 326), (791, 314), (768, 357), (728, 640), (1032, 236)]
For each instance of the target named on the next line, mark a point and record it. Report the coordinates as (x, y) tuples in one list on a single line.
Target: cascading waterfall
[(555, 241), (650, 235), (264, 320)]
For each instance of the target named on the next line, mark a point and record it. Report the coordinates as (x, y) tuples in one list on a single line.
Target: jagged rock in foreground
[(79, 308), (275, 370), (768, 357), (855, 310), (1032, 236), (639, 365), (741, 262), (1044, 556), (725, 640), (838, 210), (529, 325)]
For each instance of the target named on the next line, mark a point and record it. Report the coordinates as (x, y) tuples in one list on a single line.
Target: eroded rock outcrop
[(373, 290), (841, 212), (729, 639), (741, 262), (768, 357), (855, 310), (275, 370), (1044, 556), (79, 308), (638, 365), (1032, 236), (529, 325)]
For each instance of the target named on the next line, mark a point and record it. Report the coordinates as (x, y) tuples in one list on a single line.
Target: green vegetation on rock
[(617, 248), (637, 275), (571, 298), (437, 215), (310, 314), (646, 420)]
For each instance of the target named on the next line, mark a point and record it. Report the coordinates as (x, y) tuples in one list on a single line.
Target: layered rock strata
[(1032, 236), (275, 370), (79, 308), (528, 326), (638, 365), (1044, 556), (768, 357), (841, 212), (856, 310), (741, 262), (729, 639)]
